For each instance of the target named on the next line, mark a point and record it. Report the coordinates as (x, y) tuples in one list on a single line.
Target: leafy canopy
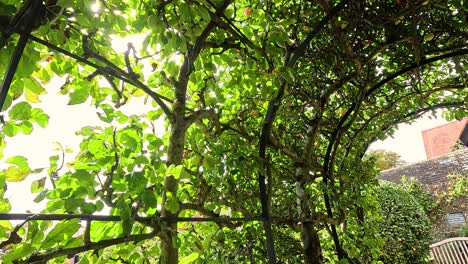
[(385, 159), (248, 99)]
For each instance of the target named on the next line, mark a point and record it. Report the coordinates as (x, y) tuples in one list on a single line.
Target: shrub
[(405, 228), (458, 185), (463, 231), (422, 196)]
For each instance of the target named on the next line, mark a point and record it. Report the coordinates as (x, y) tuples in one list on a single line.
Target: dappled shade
[(259, 117)]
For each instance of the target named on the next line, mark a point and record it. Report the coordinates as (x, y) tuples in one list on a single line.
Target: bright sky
[(37, 147), (407, 140), (64, 121)]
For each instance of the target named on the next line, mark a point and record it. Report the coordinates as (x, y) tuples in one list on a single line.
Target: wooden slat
[(460, 251), (465, 248), (449, 248), (463, 251), (445, 254), (432, 258), (450, 251), (440, 255), (455, 252), (449, 240)]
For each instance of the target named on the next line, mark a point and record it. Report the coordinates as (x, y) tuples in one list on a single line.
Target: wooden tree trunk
[(311, 244), (179, 126), (170, 253), (309, 236)]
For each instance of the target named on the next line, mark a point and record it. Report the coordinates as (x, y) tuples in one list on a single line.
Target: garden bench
[(450, 251)]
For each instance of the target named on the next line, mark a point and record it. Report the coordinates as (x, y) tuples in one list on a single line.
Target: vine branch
[(43, 258), (273, 106)]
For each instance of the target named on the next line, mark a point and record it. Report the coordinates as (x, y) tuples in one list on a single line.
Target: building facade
[(441, 140)]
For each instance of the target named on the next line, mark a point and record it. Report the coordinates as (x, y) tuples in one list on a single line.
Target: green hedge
[(405, 228)]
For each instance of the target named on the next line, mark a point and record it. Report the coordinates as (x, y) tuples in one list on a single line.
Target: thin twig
[(43, 258), (14, 238), (155, 96)]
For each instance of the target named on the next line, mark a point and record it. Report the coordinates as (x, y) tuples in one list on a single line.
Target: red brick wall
[(440, 140)]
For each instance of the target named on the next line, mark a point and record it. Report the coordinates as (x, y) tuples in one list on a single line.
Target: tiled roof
[(431, 172)]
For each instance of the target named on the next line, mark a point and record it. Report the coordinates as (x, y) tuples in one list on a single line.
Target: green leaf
[(73, 243), (66, 3), (53, 163), (10, 129), (84, 177), (71, 203), (7, 10), (153, 21), (184, 10), (190, 258), (429, 37), (16, 89), (38, 185), (2, 186), (82, 19), (41, 196), (5, 227), (25, 127), (33, 85), (287, 73), (7, 103), (41, 118), (109, 112), (125, 214), (26, 65), (130, 139), (18, 252), (149, 199), (175, 171), (99, 205), (20, 161), (61, 232), (172, 204), (88, 208), (43, 75), (208, 162), (79, 95), (31, 97), (94, 146), (20, 111), (137, 182), (153, 115), (16, 173), (203, 12), (5, 205)]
